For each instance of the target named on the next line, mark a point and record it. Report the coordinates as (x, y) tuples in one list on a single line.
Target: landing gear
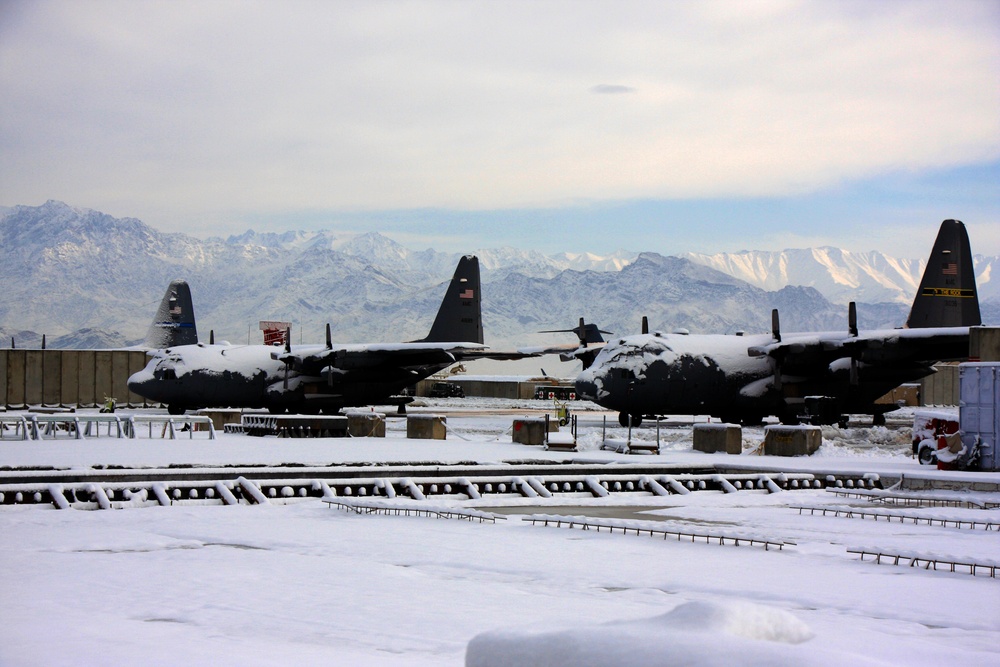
[(175, 409), (624, 417)]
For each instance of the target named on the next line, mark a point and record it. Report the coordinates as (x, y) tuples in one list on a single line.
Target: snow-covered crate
[(530, 430), (365, 424), (799, 440), (426, 427), (712, 438)]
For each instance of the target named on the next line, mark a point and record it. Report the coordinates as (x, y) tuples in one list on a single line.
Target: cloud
[(611, 89), (203, 110)]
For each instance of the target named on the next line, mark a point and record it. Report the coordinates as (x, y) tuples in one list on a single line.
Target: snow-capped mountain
[(64, 269), (841, 276)]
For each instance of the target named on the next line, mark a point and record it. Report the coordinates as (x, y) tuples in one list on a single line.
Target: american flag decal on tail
[(950, 269), (467, 294)]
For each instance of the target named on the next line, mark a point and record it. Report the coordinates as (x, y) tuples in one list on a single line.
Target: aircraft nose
[(140, 383), (586, 388)]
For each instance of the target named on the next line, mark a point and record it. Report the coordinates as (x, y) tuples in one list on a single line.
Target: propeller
[(586, 333), (852, 326), (329, 346), (776, 332), (288, 361), (211, 336), (645, 324)]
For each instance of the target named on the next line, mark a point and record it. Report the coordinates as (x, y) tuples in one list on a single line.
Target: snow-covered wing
[(892, 345), (370, 356)]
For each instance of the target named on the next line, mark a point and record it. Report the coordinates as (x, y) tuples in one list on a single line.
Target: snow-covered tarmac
[(304, 582)]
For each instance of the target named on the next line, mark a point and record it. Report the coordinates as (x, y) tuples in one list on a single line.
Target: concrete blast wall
[(68, 377)]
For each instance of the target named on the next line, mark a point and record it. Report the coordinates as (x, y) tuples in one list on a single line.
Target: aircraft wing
[(354, 357), (874, 347), (566, 351)]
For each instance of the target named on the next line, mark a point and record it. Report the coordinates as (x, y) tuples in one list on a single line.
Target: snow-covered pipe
[(654, 486), (227, 496), (526, 489), (412, 489), (100, 496), (160, 492), (470, 488), (770, 484), (674, 485), (595, 487), (724, 483), (58, 498), (538, 487), (252, 490)]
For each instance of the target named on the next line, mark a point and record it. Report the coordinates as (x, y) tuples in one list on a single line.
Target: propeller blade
[(775, 326), (329, 340), (852, 318), (288, 339), (211, 336), (645, 324), (582, 331)]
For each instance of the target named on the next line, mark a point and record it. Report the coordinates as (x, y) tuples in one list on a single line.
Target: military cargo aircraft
[(817, 376), (314, 378)]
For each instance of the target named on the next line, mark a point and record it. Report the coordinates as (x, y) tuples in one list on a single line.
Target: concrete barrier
[(426, 427), (712, 438), (792, 440), (530, 430), (222, 416), (361, 424)]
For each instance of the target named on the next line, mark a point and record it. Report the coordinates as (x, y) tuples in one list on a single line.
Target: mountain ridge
[(66, 269)]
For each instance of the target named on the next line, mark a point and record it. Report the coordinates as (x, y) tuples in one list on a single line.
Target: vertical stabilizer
[(460, 317), (174, 321), (947, 296)]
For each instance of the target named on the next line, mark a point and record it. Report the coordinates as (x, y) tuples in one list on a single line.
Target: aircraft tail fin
[(947, 296), (460, 317), (174, 321)]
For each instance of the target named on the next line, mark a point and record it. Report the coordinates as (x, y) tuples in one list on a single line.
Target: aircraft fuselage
[(207, 376), (662, 374)]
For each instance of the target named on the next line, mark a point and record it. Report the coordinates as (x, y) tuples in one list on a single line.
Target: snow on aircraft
[(818, 376), (314, 378)]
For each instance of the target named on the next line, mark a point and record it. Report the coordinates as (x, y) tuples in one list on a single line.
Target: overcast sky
[(581, 126)]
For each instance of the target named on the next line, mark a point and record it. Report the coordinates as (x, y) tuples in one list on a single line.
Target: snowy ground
[(305, 583)]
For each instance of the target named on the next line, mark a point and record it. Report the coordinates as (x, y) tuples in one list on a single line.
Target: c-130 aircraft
[(314, 378), (821, 376)]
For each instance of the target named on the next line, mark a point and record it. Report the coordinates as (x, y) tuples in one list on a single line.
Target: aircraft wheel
[(878, 419), (926, 455), (623, 420), (174, 409)]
